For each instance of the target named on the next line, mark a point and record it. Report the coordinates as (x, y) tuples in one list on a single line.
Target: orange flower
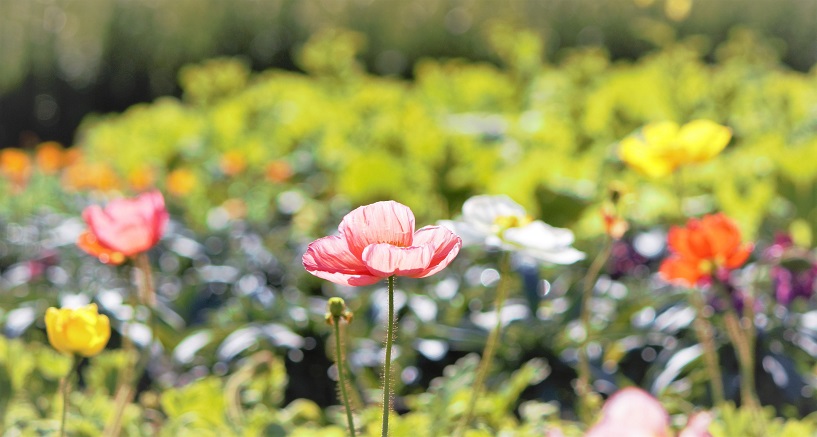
[(90, 176), (141, 179), (703, 247), (71, 156), (614, 226), (15, 165), (233, 163), (89, 243), (181, 181), (236, 208), (278, 171), (50, 157)]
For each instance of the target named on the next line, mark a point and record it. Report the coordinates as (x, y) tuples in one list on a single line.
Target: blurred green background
[(62, 59)]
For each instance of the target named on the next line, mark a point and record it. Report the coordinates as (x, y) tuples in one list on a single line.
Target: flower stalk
[(583, 385), (132, 373), (337, 312), (65, 386), (390, 324), (742, 335), (490, 346), (706, 336)]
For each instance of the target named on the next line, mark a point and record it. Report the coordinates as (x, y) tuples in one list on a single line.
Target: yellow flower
[(83, 330), (663, 147)]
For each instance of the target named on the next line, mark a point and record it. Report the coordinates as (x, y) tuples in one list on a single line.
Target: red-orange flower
[(88, 242), (702, 248)]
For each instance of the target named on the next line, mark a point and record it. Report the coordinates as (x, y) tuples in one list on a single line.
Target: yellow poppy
[(77, 331), (663, 147)]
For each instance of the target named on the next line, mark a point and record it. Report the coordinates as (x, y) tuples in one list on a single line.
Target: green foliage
[(742, 422), (546, 134)]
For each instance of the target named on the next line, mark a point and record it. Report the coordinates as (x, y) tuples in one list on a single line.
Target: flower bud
[(337, 307)]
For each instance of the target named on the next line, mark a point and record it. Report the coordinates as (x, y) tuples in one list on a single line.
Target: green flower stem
[(490, 345), (147, 291), (340, 363), (132, 373), (583, 387), (706, 336), (387, 372), (740, 338), (66, 389)]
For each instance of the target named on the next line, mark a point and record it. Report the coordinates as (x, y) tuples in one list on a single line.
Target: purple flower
[(793, 270)]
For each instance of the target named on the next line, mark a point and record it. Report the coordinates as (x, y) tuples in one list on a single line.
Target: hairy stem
[(705, 333), (390, 324), (340, 363), (490, 345)]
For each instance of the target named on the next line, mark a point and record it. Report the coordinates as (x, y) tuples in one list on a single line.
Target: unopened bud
[(337, 307)]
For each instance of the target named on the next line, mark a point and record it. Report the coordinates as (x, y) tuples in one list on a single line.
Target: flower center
[(706, 266), (505, 222)]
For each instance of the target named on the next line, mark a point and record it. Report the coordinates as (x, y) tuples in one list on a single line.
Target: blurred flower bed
[(254, 166)]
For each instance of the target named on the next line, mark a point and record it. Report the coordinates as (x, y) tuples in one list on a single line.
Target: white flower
[(498, 221)]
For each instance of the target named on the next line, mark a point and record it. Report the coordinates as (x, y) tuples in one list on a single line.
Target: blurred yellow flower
[(181, 181), (663, 147), (77, 331), (677, 10)]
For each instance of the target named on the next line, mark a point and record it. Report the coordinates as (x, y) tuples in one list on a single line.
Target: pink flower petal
[(129, 226), (698, 425), (615, 429), (329, 258), (446, 245), (382, 222), (129, 237), (638, 410), (385, 260), (160, 216)]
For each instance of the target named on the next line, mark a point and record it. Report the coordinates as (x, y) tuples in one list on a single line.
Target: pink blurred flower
[(698, 426), (127, 226), (377, 241), (632, 412)]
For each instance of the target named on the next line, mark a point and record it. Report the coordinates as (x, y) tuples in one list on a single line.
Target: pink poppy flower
[(632, 412), (127, 226), (377, 241)]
